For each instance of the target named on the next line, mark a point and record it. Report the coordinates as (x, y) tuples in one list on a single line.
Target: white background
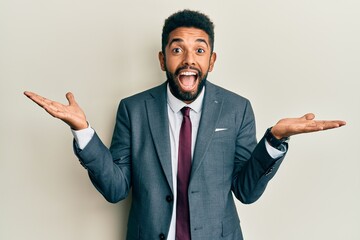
[(288, 57)]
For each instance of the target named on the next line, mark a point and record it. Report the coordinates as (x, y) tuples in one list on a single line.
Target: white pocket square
[(220, 129)]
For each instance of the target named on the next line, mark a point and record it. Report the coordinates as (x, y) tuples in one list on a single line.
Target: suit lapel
[(159, 128), (211, 111)]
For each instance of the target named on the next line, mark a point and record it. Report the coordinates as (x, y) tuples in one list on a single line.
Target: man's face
[(187, 61)]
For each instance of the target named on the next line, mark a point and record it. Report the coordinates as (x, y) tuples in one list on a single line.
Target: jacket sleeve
[(110, 169), (253, 166)]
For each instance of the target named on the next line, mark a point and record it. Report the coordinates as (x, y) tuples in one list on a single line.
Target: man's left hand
[(291, 126)]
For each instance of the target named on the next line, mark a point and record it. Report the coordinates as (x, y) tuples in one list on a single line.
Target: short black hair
[(187, 18)]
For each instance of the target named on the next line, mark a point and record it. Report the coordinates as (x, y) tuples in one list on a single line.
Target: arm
[(110, 176), (252, 173), (254, 167), (110, 170)]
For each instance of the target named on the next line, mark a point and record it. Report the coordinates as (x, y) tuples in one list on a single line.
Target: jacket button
[(162, 236), (169, 198)]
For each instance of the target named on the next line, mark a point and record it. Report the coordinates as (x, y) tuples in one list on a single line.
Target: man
[(183, 164)]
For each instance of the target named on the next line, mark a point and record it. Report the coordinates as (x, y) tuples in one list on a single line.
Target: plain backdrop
[(288, 57)]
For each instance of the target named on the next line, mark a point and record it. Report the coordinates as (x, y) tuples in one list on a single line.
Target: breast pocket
[(223, 132)]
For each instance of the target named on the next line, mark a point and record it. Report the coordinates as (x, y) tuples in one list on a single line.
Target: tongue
[(187, 80)]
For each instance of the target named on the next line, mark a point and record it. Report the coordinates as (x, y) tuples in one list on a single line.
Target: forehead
[(188, 34)]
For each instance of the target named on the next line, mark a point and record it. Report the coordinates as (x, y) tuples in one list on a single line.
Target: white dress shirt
[(175, 119), (83, 137)]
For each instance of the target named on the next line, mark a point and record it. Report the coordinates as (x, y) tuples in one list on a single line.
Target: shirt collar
[(176, 105)]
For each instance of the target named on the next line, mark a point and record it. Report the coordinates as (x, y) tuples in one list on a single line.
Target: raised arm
[(71, 114)]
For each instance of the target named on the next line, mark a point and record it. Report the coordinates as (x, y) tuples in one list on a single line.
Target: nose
[(189, 59)]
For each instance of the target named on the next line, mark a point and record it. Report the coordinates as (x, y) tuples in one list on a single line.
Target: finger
[(28, 93), (41, 101), (71, 99), (310, 129), (308, 116), (333, 124), (323, 125), (31, 95), (341, 123)]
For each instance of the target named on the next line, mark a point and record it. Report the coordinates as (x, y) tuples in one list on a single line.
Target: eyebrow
[(181, 40)]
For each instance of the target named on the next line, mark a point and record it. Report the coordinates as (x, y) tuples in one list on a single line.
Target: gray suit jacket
[(225, 162)]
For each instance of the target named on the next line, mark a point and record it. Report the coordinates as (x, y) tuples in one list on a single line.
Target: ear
[(162, 60), (212, 61)]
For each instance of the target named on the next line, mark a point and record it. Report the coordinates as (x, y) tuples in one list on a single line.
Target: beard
[(175, 88)]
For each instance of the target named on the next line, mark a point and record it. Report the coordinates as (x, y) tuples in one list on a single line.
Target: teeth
[(188, 73)]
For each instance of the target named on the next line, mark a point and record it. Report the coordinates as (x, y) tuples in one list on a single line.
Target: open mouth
[(188, 80)]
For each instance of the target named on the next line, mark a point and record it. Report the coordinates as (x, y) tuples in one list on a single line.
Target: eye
[(177, 50), (200, 50)]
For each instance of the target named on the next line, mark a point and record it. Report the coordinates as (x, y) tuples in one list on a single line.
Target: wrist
[(274, 140), (81, 126)]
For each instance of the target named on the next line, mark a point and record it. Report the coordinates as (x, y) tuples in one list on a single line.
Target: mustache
[(187, 67)]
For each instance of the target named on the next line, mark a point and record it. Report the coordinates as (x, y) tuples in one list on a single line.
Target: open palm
[(291, 126), (71, 114)]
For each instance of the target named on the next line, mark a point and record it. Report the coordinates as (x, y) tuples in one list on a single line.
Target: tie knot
[(185, 111)]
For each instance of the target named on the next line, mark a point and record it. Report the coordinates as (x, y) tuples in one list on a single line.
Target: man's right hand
[(71, 114)]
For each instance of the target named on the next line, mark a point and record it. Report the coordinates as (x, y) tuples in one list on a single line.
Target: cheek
[(170, 65), (205, 63), (205, 67)]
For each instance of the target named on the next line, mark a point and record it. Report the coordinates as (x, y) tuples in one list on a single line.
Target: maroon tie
[(184, 166)]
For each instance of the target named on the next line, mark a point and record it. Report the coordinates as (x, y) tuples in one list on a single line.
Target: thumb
[(71, 99), (308, 116)]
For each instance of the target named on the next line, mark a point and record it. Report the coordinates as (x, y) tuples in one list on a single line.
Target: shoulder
[(155, 92), (226, 95), (232, 104)]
